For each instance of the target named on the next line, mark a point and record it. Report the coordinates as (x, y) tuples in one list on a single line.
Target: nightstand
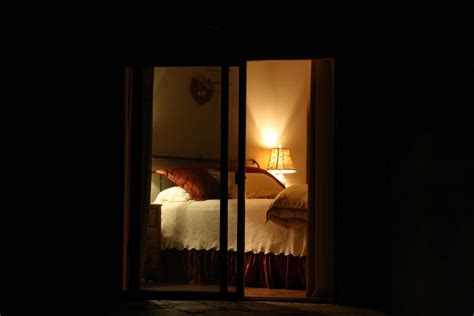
[(152, 258)]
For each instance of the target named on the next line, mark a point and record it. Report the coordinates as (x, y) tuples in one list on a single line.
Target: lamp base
[(279, 175)]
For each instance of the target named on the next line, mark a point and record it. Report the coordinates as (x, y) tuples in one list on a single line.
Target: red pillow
[(195, 180)]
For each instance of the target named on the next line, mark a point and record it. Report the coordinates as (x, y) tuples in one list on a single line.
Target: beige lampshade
[(280, 160)]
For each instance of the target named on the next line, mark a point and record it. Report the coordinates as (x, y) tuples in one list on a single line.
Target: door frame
[(136, 137), (321, 172)]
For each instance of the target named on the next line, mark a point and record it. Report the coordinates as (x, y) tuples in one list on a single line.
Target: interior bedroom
[(181, 252)]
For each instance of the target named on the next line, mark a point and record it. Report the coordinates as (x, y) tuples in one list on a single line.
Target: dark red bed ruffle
[(202, 267)]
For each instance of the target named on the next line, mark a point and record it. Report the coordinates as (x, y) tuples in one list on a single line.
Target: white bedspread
[(195, 225)]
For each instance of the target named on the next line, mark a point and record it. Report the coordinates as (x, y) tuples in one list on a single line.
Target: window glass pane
[(183, 232)]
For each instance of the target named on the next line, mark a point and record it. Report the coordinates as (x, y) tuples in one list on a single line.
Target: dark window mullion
[(241, 179), (223, 177)]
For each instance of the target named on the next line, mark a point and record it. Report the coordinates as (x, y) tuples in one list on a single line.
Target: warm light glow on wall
[(278, 94), (270, 138)]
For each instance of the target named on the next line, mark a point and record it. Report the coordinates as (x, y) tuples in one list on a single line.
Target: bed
[(275, 228)]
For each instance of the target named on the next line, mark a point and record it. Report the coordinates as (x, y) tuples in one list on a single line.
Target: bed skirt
[(201, 267)]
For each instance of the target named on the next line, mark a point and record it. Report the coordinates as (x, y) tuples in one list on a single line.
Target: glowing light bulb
[(269, 138)]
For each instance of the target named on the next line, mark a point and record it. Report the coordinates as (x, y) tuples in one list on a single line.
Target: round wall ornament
[(201, 89)]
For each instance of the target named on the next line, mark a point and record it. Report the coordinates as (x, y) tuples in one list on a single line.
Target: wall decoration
[(202, 89)]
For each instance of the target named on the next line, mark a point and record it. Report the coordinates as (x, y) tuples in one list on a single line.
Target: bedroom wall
[(277, 101), (184, 128), (181, 126)]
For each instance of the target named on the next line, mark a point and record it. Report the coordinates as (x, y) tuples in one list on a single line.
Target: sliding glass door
[(186, 215)]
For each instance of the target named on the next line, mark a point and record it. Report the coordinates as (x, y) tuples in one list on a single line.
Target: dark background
[(404, 203)]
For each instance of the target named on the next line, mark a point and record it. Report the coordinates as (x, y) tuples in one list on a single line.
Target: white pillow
[(290, 207), (173, 194), (261, 186)]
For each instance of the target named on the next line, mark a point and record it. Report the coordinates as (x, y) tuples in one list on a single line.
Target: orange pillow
[(195, 180)]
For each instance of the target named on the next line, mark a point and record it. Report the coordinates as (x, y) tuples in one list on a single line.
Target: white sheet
[(195, 225)]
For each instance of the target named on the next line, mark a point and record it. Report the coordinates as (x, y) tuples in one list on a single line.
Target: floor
[(261, 293), (175, 308), (250, 292)]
